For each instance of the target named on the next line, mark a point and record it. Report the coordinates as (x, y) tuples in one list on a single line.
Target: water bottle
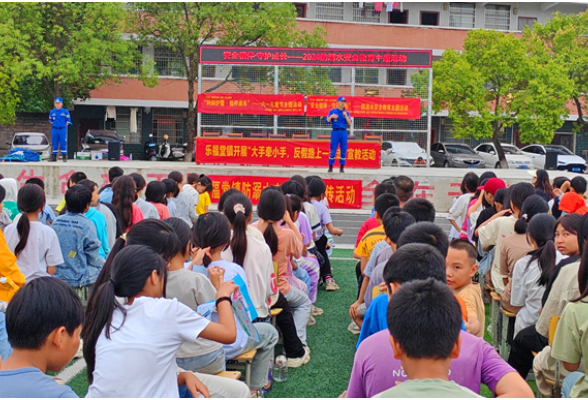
[(281, 369)]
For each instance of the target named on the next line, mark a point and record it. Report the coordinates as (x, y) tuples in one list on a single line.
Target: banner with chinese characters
[(323, 57), (371, 107), (283, 152), (248, 103), (340, 193)]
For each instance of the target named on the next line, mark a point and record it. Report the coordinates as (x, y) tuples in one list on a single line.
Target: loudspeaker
[(114, 151), (551, 160)]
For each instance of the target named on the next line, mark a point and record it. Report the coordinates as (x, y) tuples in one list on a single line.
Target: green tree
[(185, 27), (565, 36), (64, 49), (499, 80)]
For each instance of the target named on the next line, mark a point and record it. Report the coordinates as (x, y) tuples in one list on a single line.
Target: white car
[(514, 157), (566, 160), (404, 154), (35, 141)]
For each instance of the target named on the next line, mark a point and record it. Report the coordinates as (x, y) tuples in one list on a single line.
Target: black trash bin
[(114, 151), (551, 160)]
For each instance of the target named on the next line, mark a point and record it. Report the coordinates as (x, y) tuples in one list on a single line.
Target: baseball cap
[(492, 185), (341, 98), (573, 203), (58, 100)]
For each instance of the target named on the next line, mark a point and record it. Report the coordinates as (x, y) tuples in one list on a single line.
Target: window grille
[(366, 75), (168, 62), (168, 121), (462, 15), (526, 21), (497, 17), (123, 125), (366, 13), (396, 77), (330, 11)]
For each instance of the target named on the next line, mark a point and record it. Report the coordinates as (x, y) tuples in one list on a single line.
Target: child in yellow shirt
[(204, 186)]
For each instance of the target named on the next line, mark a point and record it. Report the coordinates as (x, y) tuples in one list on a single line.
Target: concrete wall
[(438, 185)]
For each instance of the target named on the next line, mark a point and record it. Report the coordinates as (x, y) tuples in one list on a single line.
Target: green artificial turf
[(332, 345)]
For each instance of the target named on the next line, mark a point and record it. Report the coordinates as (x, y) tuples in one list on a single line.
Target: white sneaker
[(311, 321), (354, 328), (331, 286), (300, 361), (316, 311)]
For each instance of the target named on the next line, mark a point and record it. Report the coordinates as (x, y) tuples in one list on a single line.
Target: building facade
[(405, 25)]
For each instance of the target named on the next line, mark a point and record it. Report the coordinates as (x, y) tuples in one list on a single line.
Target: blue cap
[(58, 100), (341, 99)]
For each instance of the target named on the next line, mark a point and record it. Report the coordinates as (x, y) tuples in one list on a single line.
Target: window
[(398, 17), (396, 77), (250, 74), (168, 121), (209, 71), (300, 10), (122, 125), (497, 17), (462, 15), (330, 11), (429, 18), (526, 21), (366, 13), (136, 70), (484, 148), (366, 75), (335, 75), (168, 62)]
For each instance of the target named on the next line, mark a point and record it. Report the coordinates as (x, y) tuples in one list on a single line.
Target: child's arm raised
[(224, 331), (334, 231)]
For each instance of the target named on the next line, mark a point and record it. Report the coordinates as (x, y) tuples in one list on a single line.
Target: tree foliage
[(499, 80), (185, 27), (62, 49), (565, 38)]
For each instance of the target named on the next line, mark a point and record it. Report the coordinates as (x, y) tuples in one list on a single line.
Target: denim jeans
[(301, 306), (268, 338), (211, 363), (5, 349), (569, 382)]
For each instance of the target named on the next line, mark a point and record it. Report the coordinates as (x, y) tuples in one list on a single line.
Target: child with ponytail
[(212, 230), (517, 245), (156, 195), (124, 196), (34, 244), (284, 245), (130, 348), (531, 273)]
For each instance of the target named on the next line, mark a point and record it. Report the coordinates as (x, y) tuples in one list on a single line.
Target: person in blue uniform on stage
[(339, 120), (59, 118)]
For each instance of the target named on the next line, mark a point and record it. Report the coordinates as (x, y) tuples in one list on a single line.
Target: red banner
[(374, 107), (340, 193), (283, 152), (247, 103)]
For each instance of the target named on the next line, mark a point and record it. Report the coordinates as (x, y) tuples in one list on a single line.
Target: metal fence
[(339, 81)]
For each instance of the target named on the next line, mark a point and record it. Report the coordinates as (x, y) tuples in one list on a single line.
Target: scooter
[(175, 153), (151, 149)]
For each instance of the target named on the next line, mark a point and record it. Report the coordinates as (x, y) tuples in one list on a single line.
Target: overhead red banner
[(340, 193), (283, 152), (373, 107), (248, 103)]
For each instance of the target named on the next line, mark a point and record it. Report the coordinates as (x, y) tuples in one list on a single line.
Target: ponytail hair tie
[(112, 281), (237, 208), (124, 237), (525, 217)]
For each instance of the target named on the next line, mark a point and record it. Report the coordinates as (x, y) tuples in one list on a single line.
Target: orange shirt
[(9, 270)]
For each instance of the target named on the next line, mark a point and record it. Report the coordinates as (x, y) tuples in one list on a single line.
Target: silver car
[(456, 155), (35, 141)]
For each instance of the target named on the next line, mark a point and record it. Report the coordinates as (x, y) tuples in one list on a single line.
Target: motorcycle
[(167, 152), (151, 149)]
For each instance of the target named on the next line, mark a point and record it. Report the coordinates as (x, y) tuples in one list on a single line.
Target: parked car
[(404, 154), (514, 157), (456, 155), (97, 140), (566, 160), (35, 141)]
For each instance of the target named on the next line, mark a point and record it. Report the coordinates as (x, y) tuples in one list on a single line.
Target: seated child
[(421, 232), (43, 321), (148, 210), (371, 222), (79, 242), (375, 369), (186, 208), (461, 268), (97, 217), (156, 196), (424, 321), (420, 209)]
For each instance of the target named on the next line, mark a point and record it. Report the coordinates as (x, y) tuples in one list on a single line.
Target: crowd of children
[(165, 293)]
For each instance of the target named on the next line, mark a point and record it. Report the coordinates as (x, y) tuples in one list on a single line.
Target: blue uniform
[(338, 136), (59, 120)]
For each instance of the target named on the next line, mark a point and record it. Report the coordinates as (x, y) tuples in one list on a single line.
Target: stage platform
[(439, 185)]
